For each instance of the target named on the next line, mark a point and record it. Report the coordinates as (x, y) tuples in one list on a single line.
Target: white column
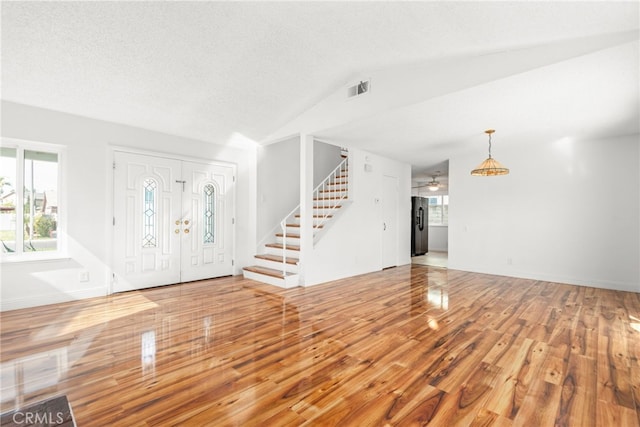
[(306, 204)]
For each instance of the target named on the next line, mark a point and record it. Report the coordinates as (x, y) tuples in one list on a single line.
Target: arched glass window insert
[(149, 211), (209, 204)]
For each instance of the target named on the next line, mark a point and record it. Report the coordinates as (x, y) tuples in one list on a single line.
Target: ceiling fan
[(432, 185)]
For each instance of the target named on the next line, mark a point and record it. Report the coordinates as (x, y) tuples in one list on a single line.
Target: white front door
[(172, 221), (207, 222), (389, 221)]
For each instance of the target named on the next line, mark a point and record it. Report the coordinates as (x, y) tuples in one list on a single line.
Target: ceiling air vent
[(364, 86)]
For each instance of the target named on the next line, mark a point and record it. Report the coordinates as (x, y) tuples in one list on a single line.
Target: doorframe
[(397, 224), (110, 195)]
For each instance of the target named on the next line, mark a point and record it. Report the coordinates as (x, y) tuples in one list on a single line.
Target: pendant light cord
[(489, 145)]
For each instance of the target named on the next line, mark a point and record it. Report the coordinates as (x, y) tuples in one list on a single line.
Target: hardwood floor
[(432, 258), (412, 345)]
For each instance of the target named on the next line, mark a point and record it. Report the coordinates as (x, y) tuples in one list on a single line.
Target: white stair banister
[(283, 225), (326, 198), (331, 202)]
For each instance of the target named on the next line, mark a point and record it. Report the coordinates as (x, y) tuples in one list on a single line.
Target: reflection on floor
[(409, 345), (432, 258)]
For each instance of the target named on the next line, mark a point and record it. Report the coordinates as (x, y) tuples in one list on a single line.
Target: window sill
[(23, 259)]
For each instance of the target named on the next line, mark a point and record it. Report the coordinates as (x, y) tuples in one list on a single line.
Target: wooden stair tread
[(277, 258), (279, 246), (298, 225), (267, 271), (317, 216), (292, 236)]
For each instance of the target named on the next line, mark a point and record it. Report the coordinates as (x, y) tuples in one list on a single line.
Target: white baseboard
[(53, 298), (569, 280)]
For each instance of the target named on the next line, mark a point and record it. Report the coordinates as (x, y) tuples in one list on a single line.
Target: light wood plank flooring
[(412, 345)]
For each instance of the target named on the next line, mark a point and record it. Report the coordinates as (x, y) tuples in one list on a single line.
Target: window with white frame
[(30, 209), (439, 210)]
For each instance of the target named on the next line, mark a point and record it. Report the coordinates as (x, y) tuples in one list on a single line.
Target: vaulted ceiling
[(441, 72)]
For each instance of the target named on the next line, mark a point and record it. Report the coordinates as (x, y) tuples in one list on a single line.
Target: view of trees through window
[(28, 200)]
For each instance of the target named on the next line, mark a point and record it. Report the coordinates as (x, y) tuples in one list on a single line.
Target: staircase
[(279, 263)]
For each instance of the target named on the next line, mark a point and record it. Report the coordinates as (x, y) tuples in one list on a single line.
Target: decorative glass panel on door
[(149, 213), (209, 203)]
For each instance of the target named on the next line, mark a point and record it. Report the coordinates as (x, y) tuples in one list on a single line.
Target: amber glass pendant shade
[(490, 167)]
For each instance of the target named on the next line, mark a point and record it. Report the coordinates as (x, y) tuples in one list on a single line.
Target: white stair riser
[(335, 192), (330, 198), (296, 230), (288, 282), (290, 268), (322, 220), (291, 231), (315, 221), (290, 241), (321, 210), (277, 251)]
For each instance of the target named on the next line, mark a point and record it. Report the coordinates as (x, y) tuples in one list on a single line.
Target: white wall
[(438, 238), (569, 212), (353, 243), (88, 176), (326, 158), (278, 172)]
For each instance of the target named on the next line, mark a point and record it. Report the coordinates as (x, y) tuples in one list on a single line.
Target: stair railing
[(320, 198), (326, 197), (283, 225)]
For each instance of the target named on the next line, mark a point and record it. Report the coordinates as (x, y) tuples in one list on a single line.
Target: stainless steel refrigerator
[(419, 225)]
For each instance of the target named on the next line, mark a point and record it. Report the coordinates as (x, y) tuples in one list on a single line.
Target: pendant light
[(491, 166)]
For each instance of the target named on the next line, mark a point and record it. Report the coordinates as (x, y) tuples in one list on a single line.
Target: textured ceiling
[(216, 70)]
